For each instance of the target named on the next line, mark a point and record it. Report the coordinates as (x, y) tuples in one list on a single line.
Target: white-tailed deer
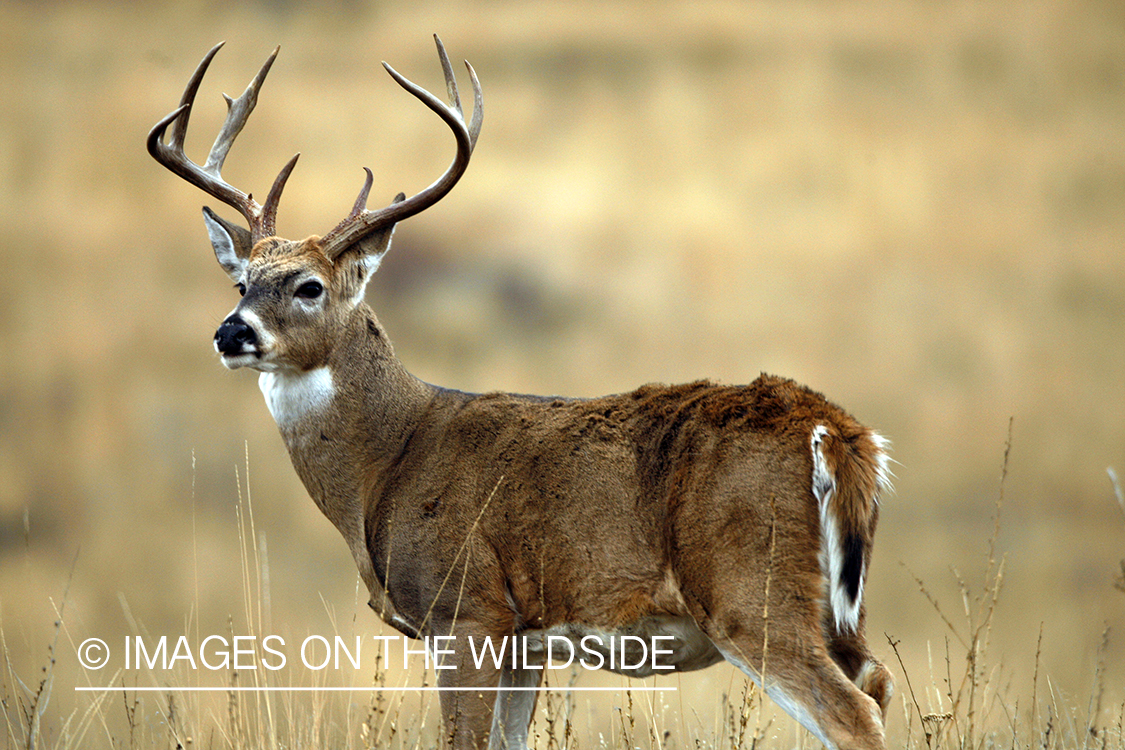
[(734, 522)]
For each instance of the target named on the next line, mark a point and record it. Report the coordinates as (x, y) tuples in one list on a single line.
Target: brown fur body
[(501, 514)]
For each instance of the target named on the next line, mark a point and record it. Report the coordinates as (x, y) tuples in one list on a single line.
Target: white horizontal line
[(284, 689)]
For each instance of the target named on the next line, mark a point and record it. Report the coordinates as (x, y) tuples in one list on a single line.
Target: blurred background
[(917, 208)]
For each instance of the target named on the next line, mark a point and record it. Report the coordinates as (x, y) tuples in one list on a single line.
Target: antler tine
[(238, 112), (268, 222), (179, 130), (478, 107), (360, 222), (209, 176), (451, 91), (361, 202)]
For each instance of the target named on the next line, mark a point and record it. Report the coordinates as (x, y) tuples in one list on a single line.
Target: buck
[(730, 522)]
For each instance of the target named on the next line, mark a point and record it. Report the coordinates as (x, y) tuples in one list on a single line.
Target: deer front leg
[(511, 716), (497, 716), (466, 714)]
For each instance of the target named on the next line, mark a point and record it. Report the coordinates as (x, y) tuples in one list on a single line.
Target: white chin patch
[(235, 361), (291, 396)]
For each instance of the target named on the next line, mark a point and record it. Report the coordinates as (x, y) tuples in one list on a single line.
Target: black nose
[(234, 335)]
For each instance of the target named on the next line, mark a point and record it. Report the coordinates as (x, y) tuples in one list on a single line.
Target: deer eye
[(241, 289), (310, 290)]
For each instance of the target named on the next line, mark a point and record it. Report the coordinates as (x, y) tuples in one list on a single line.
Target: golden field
[(917, 208)]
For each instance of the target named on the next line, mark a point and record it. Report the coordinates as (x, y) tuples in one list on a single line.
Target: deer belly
[(653, 645)]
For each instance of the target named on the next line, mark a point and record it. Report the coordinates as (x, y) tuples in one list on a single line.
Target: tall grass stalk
[(963, 705)]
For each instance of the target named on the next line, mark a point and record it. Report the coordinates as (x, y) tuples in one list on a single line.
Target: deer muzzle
[(235, 337)]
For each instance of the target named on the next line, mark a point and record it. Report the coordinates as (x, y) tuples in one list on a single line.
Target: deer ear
[(232, 243), (365, 254), (375, 245), (361, 260)]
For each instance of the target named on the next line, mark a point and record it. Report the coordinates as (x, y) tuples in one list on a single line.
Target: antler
[(261, 218), (361, 221)]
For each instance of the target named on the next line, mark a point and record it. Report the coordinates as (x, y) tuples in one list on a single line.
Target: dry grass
[(970, 700), (914, 207)]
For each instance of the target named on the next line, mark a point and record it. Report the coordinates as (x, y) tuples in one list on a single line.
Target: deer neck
[(345, 421)]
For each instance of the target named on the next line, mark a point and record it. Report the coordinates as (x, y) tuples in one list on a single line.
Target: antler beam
[(361, 221)]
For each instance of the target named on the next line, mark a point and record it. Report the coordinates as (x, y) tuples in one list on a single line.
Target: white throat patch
[(291, 396)]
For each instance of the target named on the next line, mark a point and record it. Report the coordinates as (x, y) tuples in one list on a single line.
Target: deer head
[(305, 289)]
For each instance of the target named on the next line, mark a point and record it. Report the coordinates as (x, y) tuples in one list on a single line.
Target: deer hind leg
[(850, 652), (817, 694), (796, 670)]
